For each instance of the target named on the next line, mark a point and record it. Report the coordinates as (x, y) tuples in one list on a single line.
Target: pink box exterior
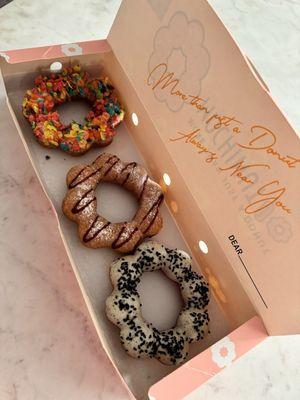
[(194, 373)]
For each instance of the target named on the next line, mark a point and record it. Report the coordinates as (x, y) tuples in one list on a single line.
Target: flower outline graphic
[(71, 49), (279, 229), (180, 45), (223, 352)]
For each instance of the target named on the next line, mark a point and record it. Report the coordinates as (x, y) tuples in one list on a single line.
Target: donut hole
[(115, 203), (75, 110), (163, 308)]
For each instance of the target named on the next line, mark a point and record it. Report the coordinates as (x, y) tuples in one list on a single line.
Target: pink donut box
[(231, 159)]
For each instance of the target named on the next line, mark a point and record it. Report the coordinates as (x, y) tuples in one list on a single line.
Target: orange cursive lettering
[(239, 166), (191, 139), (265, 140), (267, 198)]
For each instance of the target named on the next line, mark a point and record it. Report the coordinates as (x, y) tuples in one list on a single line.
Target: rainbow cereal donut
[(72, 83)]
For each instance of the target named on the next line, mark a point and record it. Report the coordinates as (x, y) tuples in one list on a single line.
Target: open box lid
[(238, 155)]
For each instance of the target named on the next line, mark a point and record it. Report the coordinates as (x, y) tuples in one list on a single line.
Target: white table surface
[(58, 356)]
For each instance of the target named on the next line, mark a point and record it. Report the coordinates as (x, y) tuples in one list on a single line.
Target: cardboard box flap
[(210, 108)]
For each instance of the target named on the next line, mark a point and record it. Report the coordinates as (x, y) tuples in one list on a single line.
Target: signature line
[(246, 269)]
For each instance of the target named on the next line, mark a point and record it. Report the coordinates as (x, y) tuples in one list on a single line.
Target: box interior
[(92, 265)]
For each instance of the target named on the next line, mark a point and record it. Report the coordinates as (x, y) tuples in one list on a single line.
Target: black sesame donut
[(123, 307)]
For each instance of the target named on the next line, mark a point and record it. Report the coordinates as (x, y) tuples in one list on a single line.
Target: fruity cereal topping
[(72, 83)]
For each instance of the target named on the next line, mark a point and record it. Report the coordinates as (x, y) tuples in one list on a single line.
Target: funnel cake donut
[(80, 203), (72, 83), (124, 309)]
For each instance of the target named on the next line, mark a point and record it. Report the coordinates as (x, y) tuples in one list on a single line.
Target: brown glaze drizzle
[(87, 239), (133, 165), (116, 245), (76, 176), (73, 183), (89, 230), (98, 158), (76, 209), (156, 204), (151, 222), (118, 237), (111, 167)]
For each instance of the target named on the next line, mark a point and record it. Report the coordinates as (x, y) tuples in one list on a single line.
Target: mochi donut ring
[(72, 83), (80, 203), (124, 309)]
